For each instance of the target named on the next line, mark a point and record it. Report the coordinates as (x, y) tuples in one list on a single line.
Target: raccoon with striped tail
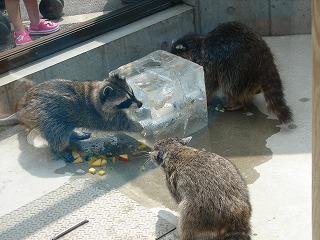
[(58, 107), (237, 61)]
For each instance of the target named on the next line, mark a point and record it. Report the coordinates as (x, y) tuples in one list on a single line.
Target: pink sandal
[(22, 37), (44, 27)]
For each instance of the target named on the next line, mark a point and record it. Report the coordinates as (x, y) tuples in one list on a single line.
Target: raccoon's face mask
[(131, 101), (120, 96)]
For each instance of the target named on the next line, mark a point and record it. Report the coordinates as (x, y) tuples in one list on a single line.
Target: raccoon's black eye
[(125, 104)]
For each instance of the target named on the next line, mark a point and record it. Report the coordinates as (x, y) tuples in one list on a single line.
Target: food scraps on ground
[(124, 157), (134, 154), (92, 170), (97, 162), (142, 168), (101, 172), (78, 160), (75, 154), (142, 147), (219, 108)]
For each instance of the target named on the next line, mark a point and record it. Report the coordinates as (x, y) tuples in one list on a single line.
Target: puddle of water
[(240, 136)]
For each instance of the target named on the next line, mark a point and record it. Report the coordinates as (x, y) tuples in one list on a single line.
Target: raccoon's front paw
[(66, 156), (79, 135)]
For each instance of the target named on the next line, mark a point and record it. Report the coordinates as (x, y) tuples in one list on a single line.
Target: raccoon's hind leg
[(239, 100), (233, 107), (57, 134), (234, 103)]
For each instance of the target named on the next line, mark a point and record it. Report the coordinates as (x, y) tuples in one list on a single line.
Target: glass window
[(82, 20)]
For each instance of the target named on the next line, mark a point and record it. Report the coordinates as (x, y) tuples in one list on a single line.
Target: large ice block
[(172, 90)]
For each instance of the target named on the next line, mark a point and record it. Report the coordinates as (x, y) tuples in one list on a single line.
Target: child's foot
[(22, 37), (44, 27)]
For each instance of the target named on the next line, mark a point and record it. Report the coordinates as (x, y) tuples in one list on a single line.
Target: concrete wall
[(268, 17)]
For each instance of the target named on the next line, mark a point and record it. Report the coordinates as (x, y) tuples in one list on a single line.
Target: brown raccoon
[(237, 61), (213, 197), (58, 106)]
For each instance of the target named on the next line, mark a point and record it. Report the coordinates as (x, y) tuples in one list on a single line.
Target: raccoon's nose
[(139, 104)]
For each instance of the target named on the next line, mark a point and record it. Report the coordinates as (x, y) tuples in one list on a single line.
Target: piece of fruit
[(78, 160), (92, 170), (99, 163), (92, 160), (75, 154), (101, 172), (142, 168), (142, 147), (124, 157), (134, 154)]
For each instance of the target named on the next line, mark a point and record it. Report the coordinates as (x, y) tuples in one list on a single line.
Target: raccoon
[(212, 195), (57, 107), (237, 61)]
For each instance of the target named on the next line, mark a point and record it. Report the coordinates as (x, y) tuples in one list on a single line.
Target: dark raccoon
[(57, 107), (213, 197), (237, 61)]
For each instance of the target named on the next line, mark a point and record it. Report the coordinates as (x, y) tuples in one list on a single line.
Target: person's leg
[(13, 9), (20, 35), (38, 26), (33, 11)]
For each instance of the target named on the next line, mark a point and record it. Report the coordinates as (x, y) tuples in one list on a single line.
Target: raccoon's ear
[(185, 141), (106, 92)]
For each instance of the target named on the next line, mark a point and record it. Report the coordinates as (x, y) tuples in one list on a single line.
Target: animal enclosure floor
[(41, 195)]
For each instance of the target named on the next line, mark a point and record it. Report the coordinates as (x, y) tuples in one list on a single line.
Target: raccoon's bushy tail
[(11, 120), (274, 96)]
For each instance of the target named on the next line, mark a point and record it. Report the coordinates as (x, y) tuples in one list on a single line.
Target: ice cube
[(173, 93)]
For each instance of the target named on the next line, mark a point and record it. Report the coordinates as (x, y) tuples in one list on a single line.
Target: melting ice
[(172, 90)]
